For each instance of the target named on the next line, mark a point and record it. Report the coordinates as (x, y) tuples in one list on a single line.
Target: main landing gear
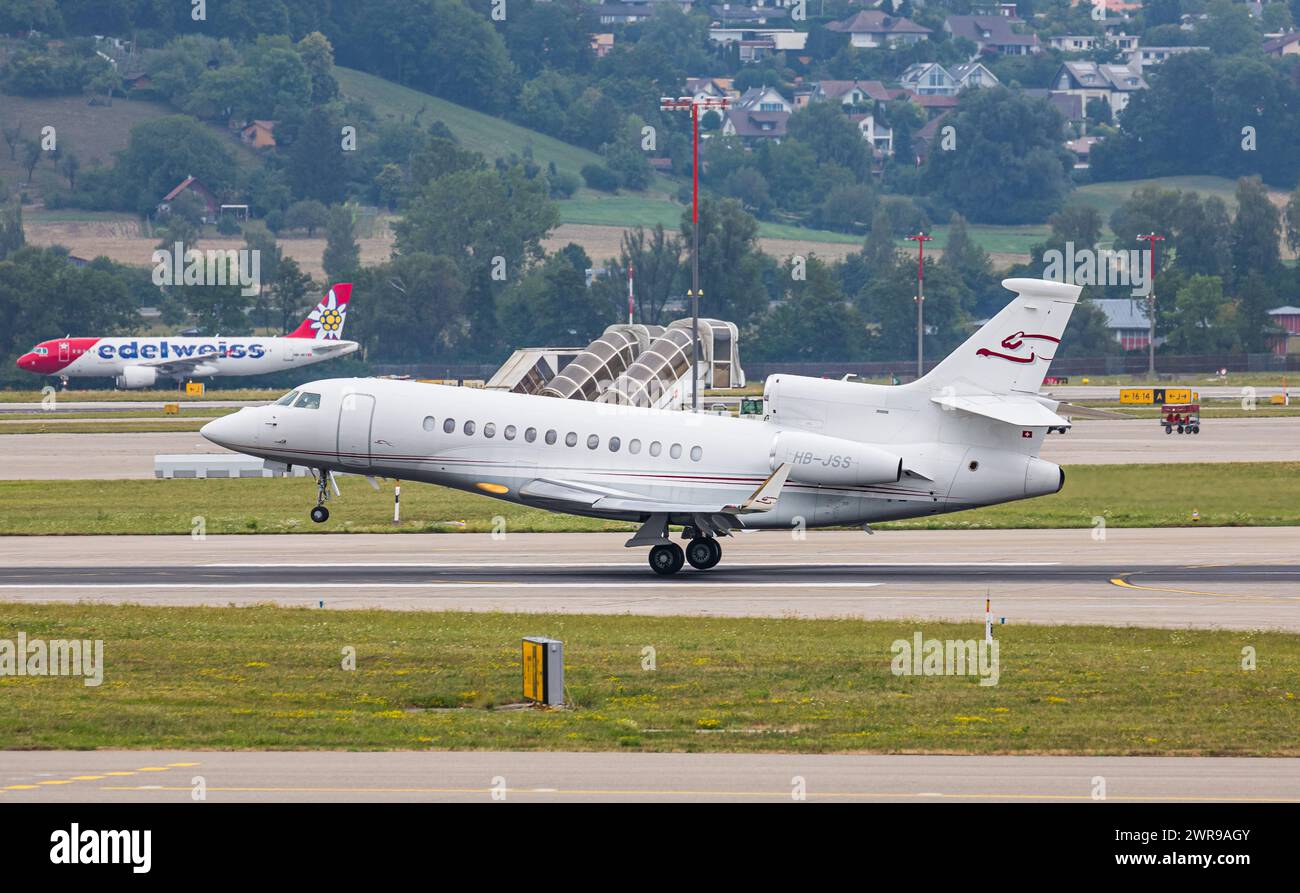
[(703, 552)]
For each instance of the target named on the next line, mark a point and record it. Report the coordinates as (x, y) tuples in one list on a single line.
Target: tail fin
[(326, 321), (1011, 353)]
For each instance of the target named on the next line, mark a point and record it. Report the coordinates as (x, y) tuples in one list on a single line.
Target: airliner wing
[(179, 363), (587, 496)]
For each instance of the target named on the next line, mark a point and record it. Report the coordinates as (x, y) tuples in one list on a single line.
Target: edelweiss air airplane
[(140, 362), (826, 452)]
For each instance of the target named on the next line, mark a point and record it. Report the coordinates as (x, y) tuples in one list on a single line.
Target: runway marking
[(613, 585), (781, 794), (1272, 599), (75, 778), (626, 564)]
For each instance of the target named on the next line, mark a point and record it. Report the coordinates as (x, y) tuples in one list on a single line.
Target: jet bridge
[(604, 360), (661, 376)]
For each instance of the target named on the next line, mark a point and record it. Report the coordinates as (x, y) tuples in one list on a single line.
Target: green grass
[(264, 677), (1106, 197), (143, 426), (1228, 494), (88, 395)]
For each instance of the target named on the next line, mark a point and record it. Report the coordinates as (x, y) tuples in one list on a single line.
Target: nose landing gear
[(320, 514)]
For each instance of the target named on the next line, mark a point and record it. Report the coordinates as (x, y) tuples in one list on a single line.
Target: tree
[(342, 253), (415, 309), (318, 57), (730, 262), (11, 225), (163, 152), (1254, 299), (316, 165), (1202, 320), (553, 305), (1087, 334), (825, 129), (13, 134), (310, 215), (1008, 165), (1256, 232), (1293, 221), (972, 264), (32, 153), (813, 320), (656, 259), (69, 165), (289, 291)]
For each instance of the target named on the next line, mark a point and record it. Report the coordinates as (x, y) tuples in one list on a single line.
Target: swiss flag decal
[(1026, 433)]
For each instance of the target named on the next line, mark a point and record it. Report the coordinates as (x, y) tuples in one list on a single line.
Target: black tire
[(1180, 429), (1168, 429), (703, 553), (667, 559), (320, 514)]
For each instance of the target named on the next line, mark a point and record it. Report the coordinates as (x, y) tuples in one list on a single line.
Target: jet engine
[(834, 461), (137, 377)]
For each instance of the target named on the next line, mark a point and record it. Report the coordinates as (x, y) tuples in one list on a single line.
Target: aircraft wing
[(178, 364), (587, 496), (1023, 412)]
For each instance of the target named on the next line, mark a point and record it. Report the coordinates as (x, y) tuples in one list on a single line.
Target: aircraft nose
[(224, 431), (24, 361)]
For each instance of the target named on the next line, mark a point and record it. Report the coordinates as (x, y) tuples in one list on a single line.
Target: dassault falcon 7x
[(139, 362), (825, 453)]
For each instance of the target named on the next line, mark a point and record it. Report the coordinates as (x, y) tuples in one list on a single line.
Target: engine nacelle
[(834, 461), (137, 377)]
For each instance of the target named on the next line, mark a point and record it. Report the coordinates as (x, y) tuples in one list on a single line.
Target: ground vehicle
[(1186, 417)]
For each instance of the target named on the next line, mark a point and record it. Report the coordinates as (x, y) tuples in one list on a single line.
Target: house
[(1288, 320), (1073, 43), (1091, 80), (932, 79), (924, 139), (1125, 43), (1285, 45), (1144, 56), (258, 134), (622, 13), (731, 16), (875, 134), (711, 88), (872, 28), (1081, 148), (601, 44), (136, 80), (1126, 318), (994, 34), (852, 93), (760, 113), (755, 43), (211, 207)]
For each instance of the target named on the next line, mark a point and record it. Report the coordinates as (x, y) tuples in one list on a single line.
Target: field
[(273, 678), (167, 395), (1231, 494)]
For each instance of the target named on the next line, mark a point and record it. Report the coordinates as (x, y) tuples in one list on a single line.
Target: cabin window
[(287, 399), (308, 401), (509, 432), (571, 439), (592, 442), (429, 423), (449, 425), (675, 451), (696, 454), (469, 428), (634, 446), (614, 444), (490, 430), (550, 436), (656, 448), (530, 435)]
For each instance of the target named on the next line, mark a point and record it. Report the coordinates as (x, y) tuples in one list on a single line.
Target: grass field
[(263, 677), (1231, 494), (166, 395)]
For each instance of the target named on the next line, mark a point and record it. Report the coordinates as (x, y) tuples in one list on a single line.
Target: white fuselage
[(236, 356), (399, 429)]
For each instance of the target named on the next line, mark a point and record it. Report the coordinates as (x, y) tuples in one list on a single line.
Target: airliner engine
[(834, 461), (137, 377)]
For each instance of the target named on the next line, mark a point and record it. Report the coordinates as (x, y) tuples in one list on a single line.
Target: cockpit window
[(287, 399), (308, 401), (42, 351)]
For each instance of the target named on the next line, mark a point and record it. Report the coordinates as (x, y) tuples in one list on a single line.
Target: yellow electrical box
[(194, 389), (534, 661), (171, 409), (1277, 400)]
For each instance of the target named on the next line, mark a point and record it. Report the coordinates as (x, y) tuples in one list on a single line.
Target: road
[(474, 777), (1232, 578)]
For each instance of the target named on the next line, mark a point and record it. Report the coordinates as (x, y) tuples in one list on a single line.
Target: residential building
[(1144, 56), (1091, 80), (1283, 45), (601, 44), (932, 79), (258, 134), (760, 113), (211, 206), (1073, 43), (994, 34), (872, 28)]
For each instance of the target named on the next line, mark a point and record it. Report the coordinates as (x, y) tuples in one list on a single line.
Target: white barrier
[(222, 465)]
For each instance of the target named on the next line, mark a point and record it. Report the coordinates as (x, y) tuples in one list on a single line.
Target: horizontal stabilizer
[(1023, 412)]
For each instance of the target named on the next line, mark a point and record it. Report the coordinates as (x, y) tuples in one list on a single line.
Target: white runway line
[(633, 564), (612, 586)]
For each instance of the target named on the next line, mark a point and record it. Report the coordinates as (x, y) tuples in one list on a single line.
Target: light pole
[(694, 104), (920, 239), (1151, 239)]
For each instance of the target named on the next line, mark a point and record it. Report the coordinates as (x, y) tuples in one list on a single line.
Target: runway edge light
[(543, 665)]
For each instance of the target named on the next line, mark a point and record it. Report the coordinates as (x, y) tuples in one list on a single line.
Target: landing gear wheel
[(703, 553), (1169, 429), (667, 559), (320, 514)]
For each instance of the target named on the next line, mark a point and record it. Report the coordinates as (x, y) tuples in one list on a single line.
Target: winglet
[(764, 499)]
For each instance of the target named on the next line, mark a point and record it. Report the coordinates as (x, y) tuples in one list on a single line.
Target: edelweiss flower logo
[(327, 318)]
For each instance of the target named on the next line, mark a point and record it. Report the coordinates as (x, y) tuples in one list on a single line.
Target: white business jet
[(826, 452)]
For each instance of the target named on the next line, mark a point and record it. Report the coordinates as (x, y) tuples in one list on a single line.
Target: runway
[(532, 777), (1090, 442), (1232, 578)]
